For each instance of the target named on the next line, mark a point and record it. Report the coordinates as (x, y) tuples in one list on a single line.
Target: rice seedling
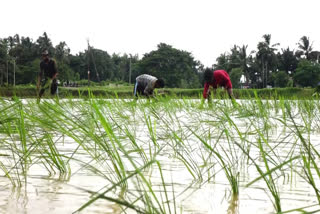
[(154, 156)]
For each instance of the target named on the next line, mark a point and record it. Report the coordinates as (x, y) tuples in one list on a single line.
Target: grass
[(126, 91), (134, 146)]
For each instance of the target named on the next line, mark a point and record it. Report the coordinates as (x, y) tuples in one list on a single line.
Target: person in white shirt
[(145, 85)]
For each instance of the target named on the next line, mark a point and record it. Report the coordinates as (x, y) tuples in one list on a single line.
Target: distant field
[(114, 91)]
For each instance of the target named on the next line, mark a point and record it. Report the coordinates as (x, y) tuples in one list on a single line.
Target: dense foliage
[(266, 66), (177, 68)]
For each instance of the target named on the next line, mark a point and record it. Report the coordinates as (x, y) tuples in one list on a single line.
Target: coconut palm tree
[(287, 60), (44, 43), (266, 56), (305, 46), (244, 60), (3, 58)]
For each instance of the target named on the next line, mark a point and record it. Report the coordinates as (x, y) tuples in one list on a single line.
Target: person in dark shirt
[(47, 77)]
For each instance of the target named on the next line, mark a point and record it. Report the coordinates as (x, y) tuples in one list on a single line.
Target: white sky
[(203, 27)]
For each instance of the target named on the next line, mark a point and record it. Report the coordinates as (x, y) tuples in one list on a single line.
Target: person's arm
[(55, 69), (234, 102), (39, 77), (149, 92), (149, 89), (206, 90), (229, 90), (228, 86)]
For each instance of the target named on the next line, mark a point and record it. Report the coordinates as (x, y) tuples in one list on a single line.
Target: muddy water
[(205, 190)]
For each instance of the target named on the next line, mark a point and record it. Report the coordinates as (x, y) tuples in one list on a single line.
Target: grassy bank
[(126, 92)]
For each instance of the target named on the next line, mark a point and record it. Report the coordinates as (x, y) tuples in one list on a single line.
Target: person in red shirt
[(217, 78)]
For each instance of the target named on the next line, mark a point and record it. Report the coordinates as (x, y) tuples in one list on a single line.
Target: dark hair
[(208, 75), (160, 83)]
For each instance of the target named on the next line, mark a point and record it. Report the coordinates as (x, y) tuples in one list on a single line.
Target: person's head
[(45, 55), (159, 83), (208, 75)]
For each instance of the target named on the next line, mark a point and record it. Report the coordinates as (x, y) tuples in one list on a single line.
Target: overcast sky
[(203, 27)]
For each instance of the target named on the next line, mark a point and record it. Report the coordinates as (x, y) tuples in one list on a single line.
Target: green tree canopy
[(235, 76), (305, 46), (281, 79), (287, 61), (177, 68), (266, 57), (19, 56), (307, 74)]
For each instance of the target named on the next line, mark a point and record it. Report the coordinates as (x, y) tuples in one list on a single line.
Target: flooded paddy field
[(159, 156)]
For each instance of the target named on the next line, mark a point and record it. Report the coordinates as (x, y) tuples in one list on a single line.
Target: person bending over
[(145, 85), (215, 79)]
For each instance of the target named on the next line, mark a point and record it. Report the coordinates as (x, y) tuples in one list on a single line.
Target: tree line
[(268, 65)]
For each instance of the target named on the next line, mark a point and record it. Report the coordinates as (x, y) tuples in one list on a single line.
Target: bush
[(307, 74), (281, 79)]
